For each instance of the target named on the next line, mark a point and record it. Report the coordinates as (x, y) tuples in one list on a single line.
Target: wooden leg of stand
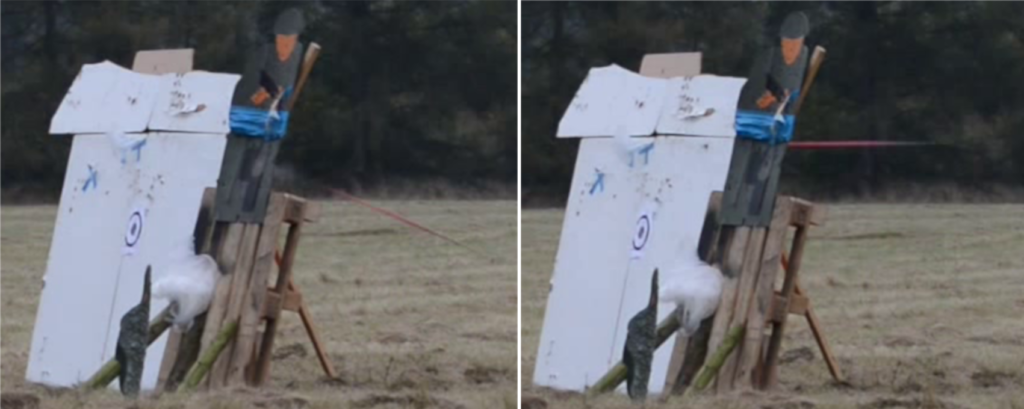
[(307, 322), (819, 335)]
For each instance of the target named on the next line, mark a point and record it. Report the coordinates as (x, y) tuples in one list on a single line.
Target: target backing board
[(105, 236), (130, 199), (612, 240), (634, 202)]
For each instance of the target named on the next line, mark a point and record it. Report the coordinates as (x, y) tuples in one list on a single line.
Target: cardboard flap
[(105, 98), (108, 98), (704, 105), (614, 101), (194, 102)]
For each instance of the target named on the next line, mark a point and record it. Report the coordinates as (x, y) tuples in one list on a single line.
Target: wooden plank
[(767, 271), (243, 272), (693, 357), (770, 374), (313, 210), (741, 153), (675, 363), (807, 213), (274, 303), (733, 257), (744, 293), (227, 259), (262, 371), (295, 209), (251, 313), (799, 304), (714, 363), (210, 356), (170, 355)]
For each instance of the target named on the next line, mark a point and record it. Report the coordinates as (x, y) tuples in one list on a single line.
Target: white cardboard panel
[(702, 105), (613, 101), (90, 282), (597, 285), (194, 102), (105, 98)]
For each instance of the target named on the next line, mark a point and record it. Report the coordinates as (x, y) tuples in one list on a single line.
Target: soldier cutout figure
[(764, 126), (258, 122)]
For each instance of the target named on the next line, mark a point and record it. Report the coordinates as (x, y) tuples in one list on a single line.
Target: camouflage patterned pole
[(641, 341), (132, 342)]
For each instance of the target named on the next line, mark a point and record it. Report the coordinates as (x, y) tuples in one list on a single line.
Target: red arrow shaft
[(817, 145)]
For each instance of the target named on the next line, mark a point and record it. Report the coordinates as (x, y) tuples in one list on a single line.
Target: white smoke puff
[(189, 284), (694, 287)]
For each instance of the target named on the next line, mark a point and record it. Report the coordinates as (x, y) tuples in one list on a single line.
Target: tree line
[(944, 73), (412, 91)]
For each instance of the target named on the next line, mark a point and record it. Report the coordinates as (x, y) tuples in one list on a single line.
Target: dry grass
[(921, 303), (409, 320)]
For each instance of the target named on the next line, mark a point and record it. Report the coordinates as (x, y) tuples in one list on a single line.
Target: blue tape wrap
[(257, 123), (761, 126)]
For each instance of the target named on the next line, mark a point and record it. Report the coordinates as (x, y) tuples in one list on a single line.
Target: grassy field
[(409, 320), (923, 304)]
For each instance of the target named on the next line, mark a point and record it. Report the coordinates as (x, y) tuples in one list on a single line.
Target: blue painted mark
[(646, 151), (91, 181), (138, 149), (598, 184), (643, 150)]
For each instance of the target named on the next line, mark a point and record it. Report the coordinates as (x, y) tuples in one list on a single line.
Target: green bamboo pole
[(715, 362), (617, 374), (203, 364), (109, 371)]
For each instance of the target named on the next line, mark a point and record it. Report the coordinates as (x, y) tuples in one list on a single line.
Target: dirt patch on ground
[(992, 379), (420, 400), (17, 400), (480, 374)]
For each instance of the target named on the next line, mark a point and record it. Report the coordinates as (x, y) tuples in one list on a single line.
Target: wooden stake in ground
[(715, 362), (203, 364)]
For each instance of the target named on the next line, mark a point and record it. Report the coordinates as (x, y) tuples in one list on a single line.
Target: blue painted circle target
[(643, 232), (134, 232)]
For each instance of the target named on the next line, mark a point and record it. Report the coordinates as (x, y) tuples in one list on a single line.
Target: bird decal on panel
[(189, 285), (641, 340), (132, 341)]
